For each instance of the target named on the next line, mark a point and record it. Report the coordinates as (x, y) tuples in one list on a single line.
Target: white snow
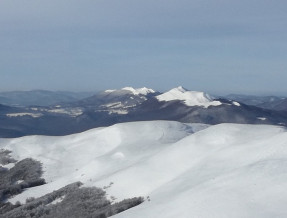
[(57, 109), (95, 153), (116, 107), (118, 155), (35, 115), (117, 111), (110, 90), (190, 98), (236, 103), (72, 112), (137, 91), (113, 105), (226, 170), (261, 118), (142, 91), (8, 166), (57, 200)]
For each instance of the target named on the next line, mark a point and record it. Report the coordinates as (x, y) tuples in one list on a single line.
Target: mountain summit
[(138, 91), (131, 104), (190, 98), (142, 91)]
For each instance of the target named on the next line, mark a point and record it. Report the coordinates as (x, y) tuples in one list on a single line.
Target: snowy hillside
[(134, 91), (139, 91), (187, 170), (190, 98), (119, 101)]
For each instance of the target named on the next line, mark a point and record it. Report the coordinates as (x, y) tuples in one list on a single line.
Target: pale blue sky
[(215, 46)]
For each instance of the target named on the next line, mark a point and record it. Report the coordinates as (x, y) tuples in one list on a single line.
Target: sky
[(217, 46)]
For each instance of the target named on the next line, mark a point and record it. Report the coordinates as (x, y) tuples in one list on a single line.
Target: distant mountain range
[(40, 97), (268, 102), (105, 108)]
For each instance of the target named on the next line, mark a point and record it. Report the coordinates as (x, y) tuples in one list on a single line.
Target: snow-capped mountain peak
[(139, 91), (109, 90), (180, 89), (190, 98)]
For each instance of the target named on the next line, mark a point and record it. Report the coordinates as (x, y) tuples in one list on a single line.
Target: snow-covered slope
[(117, 101), (139, 91), (187, 170), (121, 101), (190, 98), (142, 91)]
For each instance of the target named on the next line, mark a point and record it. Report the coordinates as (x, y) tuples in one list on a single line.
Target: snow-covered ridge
[(34, 115), (139, 91), (187, 170), (74, 112), (142, 91), (110, 90), (79, 157), (190, 98)]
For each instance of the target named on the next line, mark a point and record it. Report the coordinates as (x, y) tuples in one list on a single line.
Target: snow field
[(187, 170)]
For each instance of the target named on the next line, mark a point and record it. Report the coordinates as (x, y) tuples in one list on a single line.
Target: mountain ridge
[(128, 104), (182, 170)]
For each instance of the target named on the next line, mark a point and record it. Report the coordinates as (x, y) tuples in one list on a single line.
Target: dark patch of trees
[(5, 157), (25, 174), (74, 202)]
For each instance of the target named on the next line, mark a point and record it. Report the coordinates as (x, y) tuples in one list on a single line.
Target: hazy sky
[(234, 46)]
